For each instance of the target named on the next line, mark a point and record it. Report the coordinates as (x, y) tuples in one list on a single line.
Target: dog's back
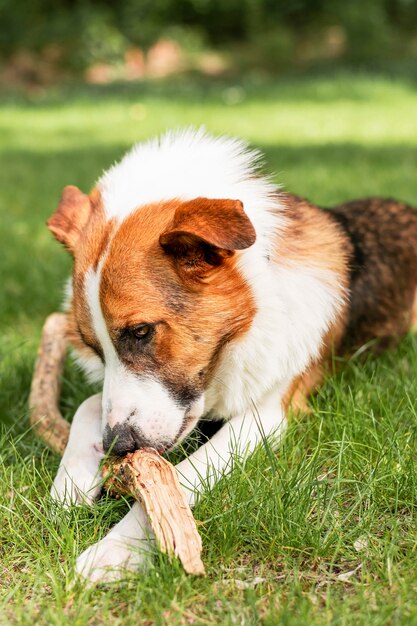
[(379, 239), (383, 269)]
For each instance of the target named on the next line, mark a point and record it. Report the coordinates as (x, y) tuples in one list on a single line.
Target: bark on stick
[(45, 415), (152, 480)]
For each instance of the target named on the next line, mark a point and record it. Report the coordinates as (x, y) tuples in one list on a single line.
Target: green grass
[(325, 531)]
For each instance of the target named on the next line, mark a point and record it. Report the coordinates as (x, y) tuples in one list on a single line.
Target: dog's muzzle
[(124, 438)]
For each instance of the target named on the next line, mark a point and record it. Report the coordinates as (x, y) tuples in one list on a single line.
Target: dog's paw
[(111, 558), (76, 483)]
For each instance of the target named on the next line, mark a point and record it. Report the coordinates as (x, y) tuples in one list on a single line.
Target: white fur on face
[(91, 364), (140, 401)]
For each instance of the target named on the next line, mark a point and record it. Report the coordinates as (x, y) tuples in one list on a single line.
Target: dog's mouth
[(124, 437), (189, 422), (167, 447)]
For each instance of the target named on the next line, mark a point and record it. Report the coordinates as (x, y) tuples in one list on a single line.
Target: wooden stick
[(45, 415), (144, 473), (152, 480)]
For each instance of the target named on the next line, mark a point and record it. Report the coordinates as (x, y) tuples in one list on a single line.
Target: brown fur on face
[(195, 306)]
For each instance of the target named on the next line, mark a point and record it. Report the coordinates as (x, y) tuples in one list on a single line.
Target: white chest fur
[(296, 305)]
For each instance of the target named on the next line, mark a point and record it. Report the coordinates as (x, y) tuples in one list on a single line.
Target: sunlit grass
[(305, 112), (323, 532)]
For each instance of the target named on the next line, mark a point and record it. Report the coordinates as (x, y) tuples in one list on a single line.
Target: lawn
[(325, 531)]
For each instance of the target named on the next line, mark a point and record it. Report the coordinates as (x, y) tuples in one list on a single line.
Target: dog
[(201, 290)]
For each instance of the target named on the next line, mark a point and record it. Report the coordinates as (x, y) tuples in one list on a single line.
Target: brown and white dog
[(199, 289)]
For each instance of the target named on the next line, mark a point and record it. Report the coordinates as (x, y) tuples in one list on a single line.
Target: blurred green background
[(40, 39)]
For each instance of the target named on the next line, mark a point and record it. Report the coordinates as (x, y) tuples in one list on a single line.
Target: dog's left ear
[(205, 231), (70, 217)]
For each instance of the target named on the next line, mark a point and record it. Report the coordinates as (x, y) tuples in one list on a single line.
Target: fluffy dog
[(200, 289)]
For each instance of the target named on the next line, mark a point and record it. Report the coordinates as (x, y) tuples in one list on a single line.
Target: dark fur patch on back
[(383, 233), (357, 259)]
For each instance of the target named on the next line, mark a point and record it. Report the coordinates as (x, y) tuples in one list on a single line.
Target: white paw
[(110, 559), (76, 482)]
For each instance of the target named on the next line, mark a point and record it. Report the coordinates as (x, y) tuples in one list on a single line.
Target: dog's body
[(200, 289)]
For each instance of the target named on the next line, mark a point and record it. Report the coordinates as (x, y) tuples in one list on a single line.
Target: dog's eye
[(141, 331), (136, 337)]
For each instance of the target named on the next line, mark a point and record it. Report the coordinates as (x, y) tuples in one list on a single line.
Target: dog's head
[(156, 298)]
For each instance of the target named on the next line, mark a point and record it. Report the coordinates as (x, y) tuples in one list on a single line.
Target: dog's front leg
[(78, 480), (236, 439), (126, 545)]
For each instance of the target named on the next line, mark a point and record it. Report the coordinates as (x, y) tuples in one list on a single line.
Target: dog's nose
[(123, 438)]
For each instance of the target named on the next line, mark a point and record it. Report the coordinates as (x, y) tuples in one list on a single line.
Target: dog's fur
[(199, 289)]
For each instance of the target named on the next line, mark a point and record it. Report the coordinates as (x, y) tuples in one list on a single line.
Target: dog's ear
[(70, 217), (205, 232)]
